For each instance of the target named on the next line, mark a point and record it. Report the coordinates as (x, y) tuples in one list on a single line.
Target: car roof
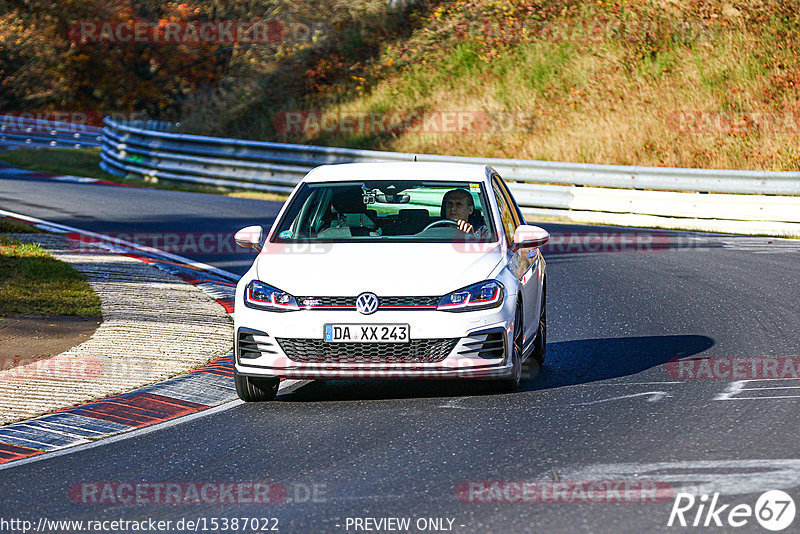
[(401, 170)]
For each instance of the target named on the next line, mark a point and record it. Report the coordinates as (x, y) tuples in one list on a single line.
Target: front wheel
[(255, 389), (540, 343), (511, 383)]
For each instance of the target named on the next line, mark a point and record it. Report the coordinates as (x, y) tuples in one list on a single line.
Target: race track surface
[(606, 406)]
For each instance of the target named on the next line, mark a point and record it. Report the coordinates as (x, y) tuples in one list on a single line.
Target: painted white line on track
[(174, 257), (726, 477), (733, 389), (612, 384), (75, 179), (762, 398), (761, 389), (654, 396)]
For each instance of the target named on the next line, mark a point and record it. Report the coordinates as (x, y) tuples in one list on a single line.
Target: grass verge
[(679, 83), (69, 161), (10, 226), (32, 282)]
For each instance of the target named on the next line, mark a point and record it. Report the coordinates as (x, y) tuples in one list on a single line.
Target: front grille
[(255, 345), (350, 302), (325, 302), (415, 351), (484, 345), (409, 301)]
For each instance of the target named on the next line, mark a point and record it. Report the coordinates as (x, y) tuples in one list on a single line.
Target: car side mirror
[(250, 237), (529, 236)]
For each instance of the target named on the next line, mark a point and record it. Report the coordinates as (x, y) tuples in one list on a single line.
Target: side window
[(509, 224), (514, 206)]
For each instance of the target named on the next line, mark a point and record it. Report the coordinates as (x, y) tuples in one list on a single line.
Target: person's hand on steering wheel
[(464, 226)]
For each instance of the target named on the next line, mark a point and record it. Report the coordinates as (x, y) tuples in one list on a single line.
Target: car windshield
[(382, 210)]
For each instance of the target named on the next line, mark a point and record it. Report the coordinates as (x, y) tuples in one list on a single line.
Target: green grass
[(540, 64), (10, 226), (86, 162), (75, 162), (32, 282)]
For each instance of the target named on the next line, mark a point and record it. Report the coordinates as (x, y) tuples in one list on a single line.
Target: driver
[(458, 206)]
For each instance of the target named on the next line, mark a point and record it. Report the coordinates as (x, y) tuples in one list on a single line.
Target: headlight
[(481, 296), (265, 297)]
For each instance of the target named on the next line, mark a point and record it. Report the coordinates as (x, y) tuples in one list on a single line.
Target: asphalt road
[(606, 406), (193, 225)]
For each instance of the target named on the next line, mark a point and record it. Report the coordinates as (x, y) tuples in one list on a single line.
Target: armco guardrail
[(20, 131), (750, 202)]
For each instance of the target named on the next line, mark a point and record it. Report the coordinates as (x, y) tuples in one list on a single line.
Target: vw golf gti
[(391, 270)]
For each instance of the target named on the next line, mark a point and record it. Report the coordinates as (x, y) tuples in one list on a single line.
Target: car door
[(524, 263)]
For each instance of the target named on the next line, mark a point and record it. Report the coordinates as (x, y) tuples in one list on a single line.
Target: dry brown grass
[(684, 83)]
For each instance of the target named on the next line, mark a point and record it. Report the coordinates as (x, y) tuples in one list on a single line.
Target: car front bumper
[(261, 337)]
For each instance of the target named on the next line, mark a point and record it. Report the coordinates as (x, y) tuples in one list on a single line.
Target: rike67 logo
[(774, 510)]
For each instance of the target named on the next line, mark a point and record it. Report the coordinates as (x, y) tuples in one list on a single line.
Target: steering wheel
[(443, 222)]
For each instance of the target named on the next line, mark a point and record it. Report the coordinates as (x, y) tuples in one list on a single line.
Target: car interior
[(348, 216), (358, 211)]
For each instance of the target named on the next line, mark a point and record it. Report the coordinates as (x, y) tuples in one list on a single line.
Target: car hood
[(391, 269)]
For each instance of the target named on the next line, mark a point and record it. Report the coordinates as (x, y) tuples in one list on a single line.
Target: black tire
[(511, 383), (540, 343), (252, 389)]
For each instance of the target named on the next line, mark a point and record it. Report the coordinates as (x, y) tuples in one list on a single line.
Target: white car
[(391, 270)]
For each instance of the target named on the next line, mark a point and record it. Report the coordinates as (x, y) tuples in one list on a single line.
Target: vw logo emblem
[(367, 303)]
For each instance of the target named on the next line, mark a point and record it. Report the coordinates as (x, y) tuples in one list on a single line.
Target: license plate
[(367, 333)]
